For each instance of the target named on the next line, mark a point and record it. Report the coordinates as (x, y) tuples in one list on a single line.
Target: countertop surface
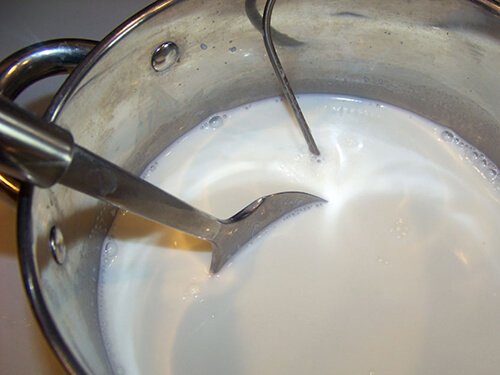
[(23, 349)]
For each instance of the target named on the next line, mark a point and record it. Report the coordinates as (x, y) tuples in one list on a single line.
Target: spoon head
[(253, 219)]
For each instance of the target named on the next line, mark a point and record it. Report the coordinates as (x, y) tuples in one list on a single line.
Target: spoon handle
[(44, 154), (31, 149), (97, 177)]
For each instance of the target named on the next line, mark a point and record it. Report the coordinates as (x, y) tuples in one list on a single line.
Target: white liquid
[(399, 273)]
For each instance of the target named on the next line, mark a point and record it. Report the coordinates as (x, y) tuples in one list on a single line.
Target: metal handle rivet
[(56, 245), (165, 56)]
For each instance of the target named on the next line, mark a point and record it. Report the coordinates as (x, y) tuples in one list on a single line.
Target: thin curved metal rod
[(256, 20), (285, 85)]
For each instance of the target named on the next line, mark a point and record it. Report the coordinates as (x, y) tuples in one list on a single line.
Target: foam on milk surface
[(399, 273)]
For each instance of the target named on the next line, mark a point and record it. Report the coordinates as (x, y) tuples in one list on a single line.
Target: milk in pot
[(398, 273)]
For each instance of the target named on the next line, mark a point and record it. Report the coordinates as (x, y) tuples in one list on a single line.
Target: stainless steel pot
[(169, 67)]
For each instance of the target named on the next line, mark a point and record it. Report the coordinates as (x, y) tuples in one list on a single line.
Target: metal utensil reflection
[(44, 154)]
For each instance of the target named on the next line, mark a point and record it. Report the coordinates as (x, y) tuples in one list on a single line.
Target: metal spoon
[(44, 154)]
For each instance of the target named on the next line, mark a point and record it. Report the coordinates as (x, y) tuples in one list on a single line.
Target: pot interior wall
[(436, 58)]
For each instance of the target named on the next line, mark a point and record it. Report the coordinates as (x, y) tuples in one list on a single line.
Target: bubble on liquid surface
[(317, 158), (473, 154), (479, 161), (492, 173), (192, 292), (151, 168), (110, 252), (215, 122), (110, 247), (447, 136)]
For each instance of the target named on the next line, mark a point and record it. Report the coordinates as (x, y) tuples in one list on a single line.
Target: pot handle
[(32, 64)]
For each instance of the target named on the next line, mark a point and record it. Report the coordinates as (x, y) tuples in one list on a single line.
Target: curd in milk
[(399, 273)]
